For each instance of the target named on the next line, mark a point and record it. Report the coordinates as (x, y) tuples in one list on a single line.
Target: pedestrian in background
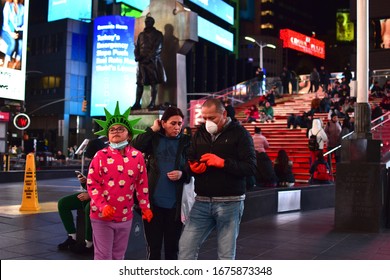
[(283, 169)]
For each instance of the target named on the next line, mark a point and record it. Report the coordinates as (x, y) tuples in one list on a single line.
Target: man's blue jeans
[(225, 217)]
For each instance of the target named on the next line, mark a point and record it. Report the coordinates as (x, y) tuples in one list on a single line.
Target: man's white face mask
[(211, 127)]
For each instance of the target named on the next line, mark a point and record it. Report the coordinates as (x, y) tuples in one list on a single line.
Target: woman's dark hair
[(282, 160), (171, 111)]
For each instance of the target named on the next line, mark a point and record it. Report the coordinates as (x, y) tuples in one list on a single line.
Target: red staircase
[(294, 141)]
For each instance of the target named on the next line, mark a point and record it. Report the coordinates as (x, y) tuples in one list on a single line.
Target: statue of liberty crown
[(118, 118)]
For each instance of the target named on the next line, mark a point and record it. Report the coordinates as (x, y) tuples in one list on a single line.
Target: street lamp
[(261, 46)]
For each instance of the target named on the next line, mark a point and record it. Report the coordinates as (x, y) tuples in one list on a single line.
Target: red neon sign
[(302, 43), (4, 116)]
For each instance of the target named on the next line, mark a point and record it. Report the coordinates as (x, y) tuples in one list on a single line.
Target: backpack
[(313, 144), (321, 173)]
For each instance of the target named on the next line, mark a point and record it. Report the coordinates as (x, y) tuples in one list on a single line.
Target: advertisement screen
[(138, 4), (129, 12), (247, 9), (381, 30), (215, 34), (113, 65), (74, 9), (13, 49), (302, 43), (218, 8), (345, 29)]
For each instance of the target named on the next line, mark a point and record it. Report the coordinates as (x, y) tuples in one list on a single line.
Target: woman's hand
[(174, 175), (156, 125)]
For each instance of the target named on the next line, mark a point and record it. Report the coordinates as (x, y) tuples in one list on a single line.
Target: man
[(314, 80), (324, 79), (150, 70), (285, 77), (221, 156), (333, 130), (260, 78), (260, 142)]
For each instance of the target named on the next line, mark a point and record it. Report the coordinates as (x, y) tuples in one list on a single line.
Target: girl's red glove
[(108, 212)]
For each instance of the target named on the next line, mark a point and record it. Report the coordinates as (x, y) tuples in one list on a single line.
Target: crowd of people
[(145, 171)]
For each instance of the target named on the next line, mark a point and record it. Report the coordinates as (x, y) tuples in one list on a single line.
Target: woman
[(165, 147), (320, 171), (252, 114), (13, 20), (283, 169), (115, 174), (321, 136)]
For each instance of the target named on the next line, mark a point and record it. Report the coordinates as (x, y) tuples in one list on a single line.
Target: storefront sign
[(302, 43), (4, 116)]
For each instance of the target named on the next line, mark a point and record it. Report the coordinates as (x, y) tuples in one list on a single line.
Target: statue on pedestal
[(150, 69)]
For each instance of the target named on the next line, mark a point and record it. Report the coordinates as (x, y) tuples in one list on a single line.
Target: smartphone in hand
[(78, 173)]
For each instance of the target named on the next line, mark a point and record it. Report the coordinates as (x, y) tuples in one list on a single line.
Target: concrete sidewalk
[(307, 235)]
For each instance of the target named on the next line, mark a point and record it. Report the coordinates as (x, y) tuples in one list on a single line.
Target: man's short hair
[(257, 130), (216, 102)]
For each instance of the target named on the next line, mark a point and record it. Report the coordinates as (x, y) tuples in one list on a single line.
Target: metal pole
[(362, 107), (261, 56), (362, 51)]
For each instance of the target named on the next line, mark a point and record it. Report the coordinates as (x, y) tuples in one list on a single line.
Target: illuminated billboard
[(138, 4), (381, 34), (74, 9), (345, 29), (113, 64), (218, 8), (215, 34), (13, 49), (302, 43)]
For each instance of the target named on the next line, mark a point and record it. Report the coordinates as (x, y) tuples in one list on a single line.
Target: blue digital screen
[(218, 8), (12, 72), (74, 9), (113, 65), (215, 34), (138, 4)]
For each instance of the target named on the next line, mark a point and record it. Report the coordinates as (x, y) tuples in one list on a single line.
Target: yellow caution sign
[(30, 191)]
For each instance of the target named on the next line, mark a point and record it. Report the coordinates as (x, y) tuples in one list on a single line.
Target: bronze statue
[(150, 69)]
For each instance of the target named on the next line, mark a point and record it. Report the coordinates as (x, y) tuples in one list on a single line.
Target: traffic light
[(84, 107)]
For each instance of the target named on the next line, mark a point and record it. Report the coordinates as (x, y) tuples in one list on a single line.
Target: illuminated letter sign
[(302, 43), (21, 121), (113, 66)]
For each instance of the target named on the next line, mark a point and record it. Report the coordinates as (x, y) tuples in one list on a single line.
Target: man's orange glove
[(213, 160), (147, 215), (108, 212), (197, 167)]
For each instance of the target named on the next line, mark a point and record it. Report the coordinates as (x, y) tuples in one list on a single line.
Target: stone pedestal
[(360, 185)]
